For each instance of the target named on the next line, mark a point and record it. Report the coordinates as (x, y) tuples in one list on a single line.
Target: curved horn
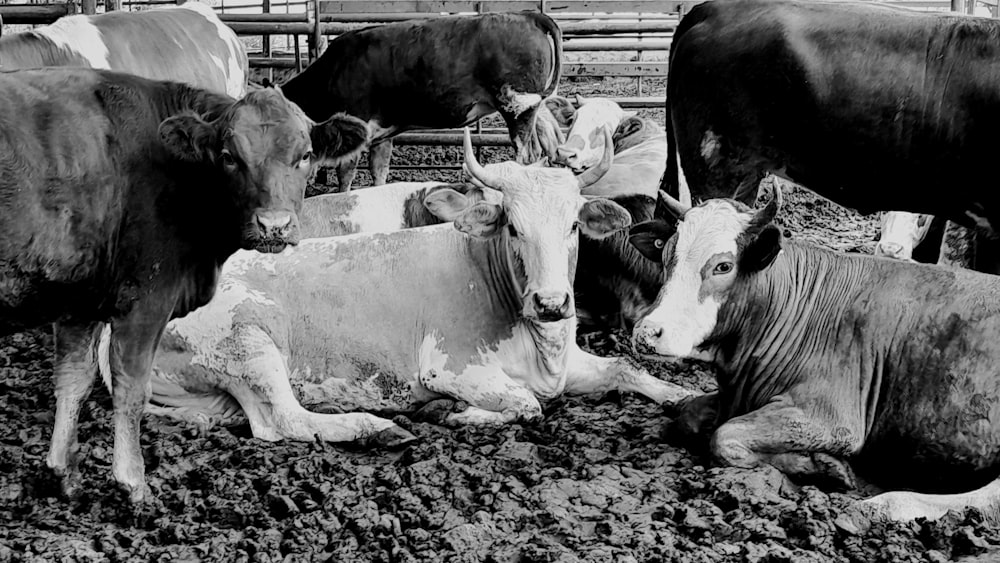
[(769, 211), (671, 205), (476, 170), (596, 172), (579, 100)]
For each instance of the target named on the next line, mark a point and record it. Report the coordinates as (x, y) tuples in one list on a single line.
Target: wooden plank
[(612, 45), (607, 28), (265, 18), (654, 69), (452, 6)]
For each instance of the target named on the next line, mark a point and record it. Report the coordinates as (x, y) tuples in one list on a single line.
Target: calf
[(826, 357), (120, 198), (187, 43), (439, 72), (481, 311)]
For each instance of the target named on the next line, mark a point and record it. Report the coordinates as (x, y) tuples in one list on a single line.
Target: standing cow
[(874, 107), (120, 198), (186, 43), (440, 72), (385, 321), (827, 357)]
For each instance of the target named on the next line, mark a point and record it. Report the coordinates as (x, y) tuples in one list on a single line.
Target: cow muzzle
[(551, 306), (271, 231), (892, 250)]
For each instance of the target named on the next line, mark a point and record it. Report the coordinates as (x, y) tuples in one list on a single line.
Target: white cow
[(481, 311), (640, 148)]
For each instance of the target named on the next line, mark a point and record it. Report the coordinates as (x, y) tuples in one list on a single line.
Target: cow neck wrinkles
[(776, 324)]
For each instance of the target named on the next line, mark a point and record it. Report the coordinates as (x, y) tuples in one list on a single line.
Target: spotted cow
[(480, 310), (186, 43)]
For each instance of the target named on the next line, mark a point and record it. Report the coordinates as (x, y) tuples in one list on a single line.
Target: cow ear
[(482, 220), (650, 237), (189, 138), (447, 204), (600, 218), (339, 138), (762, 249), (627, 127)]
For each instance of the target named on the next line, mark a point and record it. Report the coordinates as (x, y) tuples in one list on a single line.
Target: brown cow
[(120, 198)]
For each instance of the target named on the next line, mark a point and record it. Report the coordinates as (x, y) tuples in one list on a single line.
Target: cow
[(824, 367), (120, 198), (440, 72), (186, 43), (480, 311), (872, 106), (640, 148)]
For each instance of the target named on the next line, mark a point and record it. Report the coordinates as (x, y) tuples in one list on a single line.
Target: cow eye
[(227, 158), (306, 158), (723, 268), (658, 243), (575, 228), (511, 230)]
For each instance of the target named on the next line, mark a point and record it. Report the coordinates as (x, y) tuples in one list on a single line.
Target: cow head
[(536, 222), (585, 141), (266, 149), (901, 232), (635, 130), (716, 242)]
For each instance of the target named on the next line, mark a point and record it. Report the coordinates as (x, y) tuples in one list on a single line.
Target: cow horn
[(476, 170), (665, 201), (767, 214), (596, 172)]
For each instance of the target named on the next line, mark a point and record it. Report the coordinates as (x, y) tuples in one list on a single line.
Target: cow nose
[(552, 305), (274, 224), (890, 249), (564, 155)]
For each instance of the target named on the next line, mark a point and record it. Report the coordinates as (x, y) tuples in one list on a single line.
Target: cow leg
[(379, 155), (694, 420), (259, 382), (906, 506), (493, 397), (587, 373), (346, 171), (783, 435), (521, 126), (76, 366), (133, 345)]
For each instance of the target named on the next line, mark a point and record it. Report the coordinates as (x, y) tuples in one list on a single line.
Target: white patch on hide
[(518, 103), (236, 79), (710, 145), (78, 35)]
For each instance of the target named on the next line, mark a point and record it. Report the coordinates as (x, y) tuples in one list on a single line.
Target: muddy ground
[(592, 482)]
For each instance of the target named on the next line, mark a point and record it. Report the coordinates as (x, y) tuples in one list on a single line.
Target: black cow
[(120, 198), (874, 107), (440, 72)]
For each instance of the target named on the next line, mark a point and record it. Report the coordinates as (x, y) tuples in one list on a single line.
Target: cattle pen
[(625, 42)]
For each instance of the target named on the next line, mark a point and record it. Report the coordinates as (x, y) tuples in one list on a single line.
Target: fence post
[(958, 6), (112, 5), (265, 41)]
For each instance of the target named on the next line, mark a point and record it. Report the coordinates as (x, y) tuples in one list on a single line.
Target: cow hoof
[(436, 411), (138, 494), (854, 521), (837, 472), (71, 485), (392, 438)]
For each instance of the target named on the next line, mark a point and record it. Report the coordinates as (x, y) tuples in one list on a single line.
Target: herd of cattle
[(152, 209)]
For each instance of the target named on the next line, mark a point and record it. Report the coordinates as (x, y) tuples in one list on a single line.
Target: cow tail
[(104, 356), (670, 182), (551, 28)]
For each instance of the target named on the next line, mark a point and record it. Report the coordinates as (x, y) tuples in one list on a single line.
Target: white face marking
[(78, 35), (595, 115), (685, 313), (901, 232), (236, 79), (542, 205), (710, 145)]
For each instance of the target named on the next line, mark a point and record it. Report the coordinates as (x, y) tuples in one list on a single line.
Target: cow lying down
[(828, 358), (480, 311)]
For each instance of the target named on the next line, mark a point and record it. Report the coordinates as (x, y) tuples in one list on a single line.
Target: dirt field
[(592, 482)]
